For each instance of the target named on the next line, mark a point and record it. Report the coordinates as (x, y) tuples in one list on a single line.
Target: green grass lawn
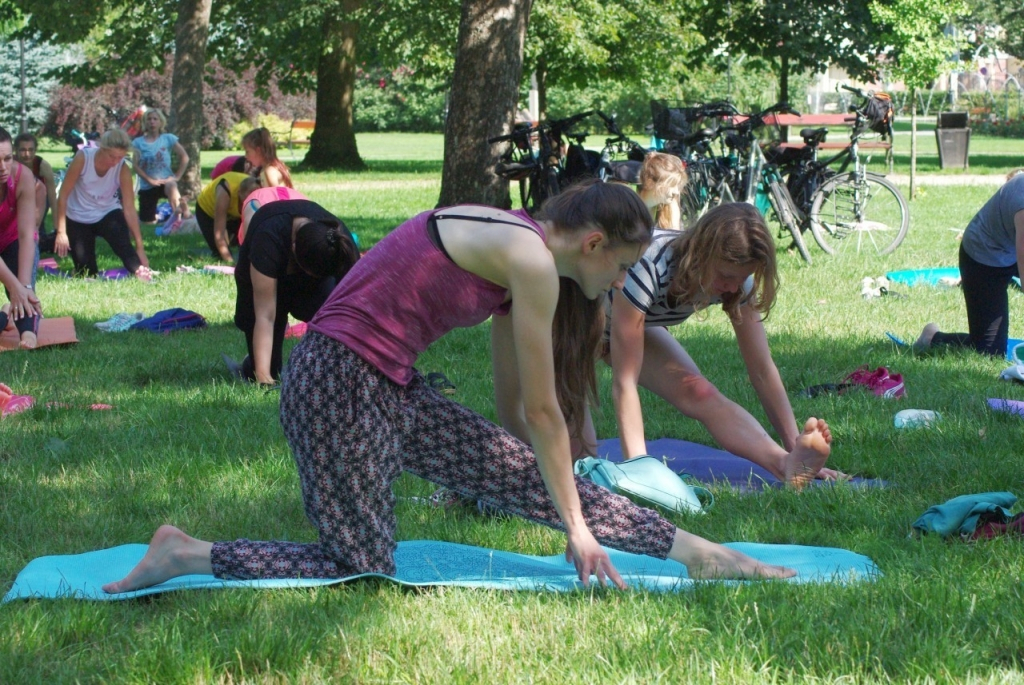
[(185, 445)]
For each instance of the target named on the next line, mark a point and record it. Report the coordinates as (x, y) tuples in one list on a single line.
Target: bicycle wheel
[(788, 216), (852, 214)]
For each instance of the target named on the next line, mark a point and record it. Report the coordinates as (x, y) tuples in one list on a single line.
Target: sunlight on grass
[(185, 445)]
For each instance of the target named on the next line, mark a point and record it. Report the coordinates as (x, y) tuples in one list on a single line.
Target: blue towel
[(959, 516), (428, 562)]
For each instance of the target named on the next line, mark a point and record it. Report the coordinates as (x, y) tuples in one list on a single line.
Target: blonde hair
[(247, 186), (663, 175), (734, 233), (115, 139), (1015, 172), (159, 114)]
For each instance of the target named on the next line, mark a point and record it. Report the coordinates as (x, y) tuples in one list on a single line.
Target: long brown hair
[(664, 175), (261, 140), (734, 233), (621, 215)]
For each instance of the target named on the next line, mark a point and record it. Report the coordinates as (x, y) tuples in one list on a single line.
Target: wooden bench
[(301, 131), (817, 120)]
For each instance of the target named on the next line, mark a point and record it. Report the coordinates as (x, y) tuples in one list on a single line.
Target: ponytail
[(325, 248), (577, 329)]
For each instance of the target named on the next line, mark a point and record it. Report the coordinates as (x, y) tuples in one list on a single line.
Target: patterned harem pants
[(353, 431)]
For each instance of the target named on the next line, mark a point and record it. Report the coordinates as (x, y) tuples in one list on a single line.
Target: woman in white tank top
[(97, 199)]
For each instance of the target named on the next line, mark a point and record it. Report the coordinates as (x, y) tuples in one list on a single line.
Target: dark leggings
[(114, 229), (988, 307), (25, 323), (300, 296), (205, 222), (352, 433)]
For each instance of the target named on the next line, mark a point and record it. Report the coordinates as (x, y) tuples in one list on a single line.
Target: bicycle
[(617, 170), (690, 133), (846, 209), (760, 182), (540, 172)]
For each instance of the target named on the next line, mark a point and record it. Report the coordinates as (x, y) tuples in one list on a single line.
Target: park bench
[(300, 132), (801, 121)]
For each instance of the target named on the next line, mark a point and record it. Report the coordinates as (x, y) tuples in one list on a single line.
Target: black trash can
[(953, 137)]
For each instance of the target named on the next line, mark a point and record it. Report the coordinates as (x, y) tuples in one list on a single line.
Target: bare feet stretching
[(706, 559), (924, 341), (811, 451), (171, 554), (29, 340)]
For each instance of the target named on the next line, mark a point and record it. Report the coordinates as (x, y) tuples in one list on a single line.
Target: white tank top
[(94, 196)]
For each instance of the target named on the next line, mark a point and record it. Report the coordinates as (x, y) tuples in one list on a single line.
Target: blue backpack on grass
[(170, 320)]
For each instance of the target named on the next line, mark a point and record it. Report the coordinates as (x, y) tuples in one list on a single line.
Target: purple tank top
[(406, 293), (9, 210)]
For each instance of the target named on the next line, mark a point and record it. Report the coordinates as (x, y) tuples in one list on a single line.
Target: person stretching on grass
[(356, 413), (152, 161), (17, 244), (727, 257), (97, 199), (296, 255), (991, 254)]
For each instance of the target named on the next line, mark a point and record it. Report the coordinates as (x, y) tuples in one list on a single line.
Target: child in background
[(151, 158), (261, 152)]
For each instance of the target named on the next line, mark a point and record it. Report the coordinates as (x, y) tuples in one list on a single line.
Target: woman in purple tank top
[(356, 413)]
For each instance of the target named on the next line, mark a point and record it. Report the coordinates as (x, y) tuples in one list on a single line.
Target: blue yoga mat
[(923, 276), (428, 562), (930, 276), (715, 466)]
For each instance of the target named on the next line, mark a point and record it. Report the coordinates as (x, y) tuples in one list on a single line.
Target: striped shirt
[(647, 283)]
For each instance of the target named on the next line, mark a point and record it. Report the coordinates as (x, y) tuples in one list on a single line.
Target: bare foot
[(832, 474), (924, 341), (720, 562), (811, 451), (29, 340), (171, 553)]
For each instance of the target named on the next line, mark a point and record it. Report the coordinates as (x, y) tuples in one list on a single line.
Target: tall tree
[(792, 35), (575, 42), (190, 36), (485, 88), (919, 49), (137, 35)]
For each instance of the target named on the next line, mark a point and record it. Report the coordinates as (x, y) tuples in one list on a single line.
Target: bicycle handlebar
[(855, 91)]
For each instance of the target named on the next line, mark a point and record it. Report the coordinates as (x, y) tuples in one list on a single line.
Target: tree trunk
[(484, 93), (913, 143), (186, 117), (542, 88), (333, 143)]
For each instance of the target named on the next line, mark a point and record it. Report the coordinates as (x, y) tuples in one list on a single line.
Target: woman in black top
[(294, 253)]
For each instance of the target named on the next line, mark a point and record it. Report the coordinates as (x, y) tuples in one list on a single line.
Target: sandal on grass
[(438, 381)]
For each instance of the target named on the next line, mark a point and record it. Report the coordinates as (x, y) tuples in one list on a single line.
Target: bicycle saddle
[(814, 136)]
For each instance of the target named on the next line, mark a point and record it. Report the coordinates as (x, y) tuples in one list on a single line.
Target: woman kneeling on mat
[(97, 199), (727, 257), (356, 413), (296, 253), (991, 254)]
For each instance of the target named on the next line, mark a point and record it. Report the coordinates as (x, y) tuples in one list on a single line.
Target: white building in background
[(996, 74)]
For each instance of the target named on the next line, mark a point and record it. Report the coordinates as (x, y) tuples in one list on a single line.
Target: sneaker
[(880, 381)]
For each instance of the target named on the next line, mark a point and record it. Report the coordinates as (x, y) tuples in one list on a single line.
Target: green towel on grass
[(959, 516)]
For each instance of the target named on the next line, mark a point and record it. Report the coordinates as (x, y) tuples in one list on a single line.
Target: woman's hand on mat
[(584, 551), (24, 303), (61, 245)]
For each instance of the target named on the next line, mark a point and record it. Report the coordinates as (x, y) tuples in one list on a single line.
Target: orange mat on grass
[(58, 331)]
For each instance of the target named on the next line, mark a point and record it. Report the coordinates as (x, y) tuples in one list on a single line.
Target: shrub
[(398, 100), (228, 98)]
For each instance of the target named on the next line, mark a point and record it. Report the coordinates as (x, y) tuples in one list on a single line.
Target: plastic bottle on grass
[(914, 418)]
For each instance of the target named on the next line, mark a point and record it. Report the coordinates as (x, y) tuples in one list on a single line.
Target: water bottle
[(914, 418)]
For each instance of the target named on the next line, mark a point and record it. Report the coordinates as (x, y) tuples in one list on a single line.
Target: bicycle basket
[(671, 123), (879, 112)]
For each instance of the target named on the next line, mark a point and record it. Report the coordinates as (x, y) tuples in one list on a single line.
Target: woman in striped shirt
[(728, 257)]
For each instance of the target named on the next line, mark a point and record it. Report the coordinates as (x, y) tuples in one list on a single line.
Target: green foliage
[(789, 36), (186, 445), (398, 100), (39, 60), (996, 25), (919, 48)]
